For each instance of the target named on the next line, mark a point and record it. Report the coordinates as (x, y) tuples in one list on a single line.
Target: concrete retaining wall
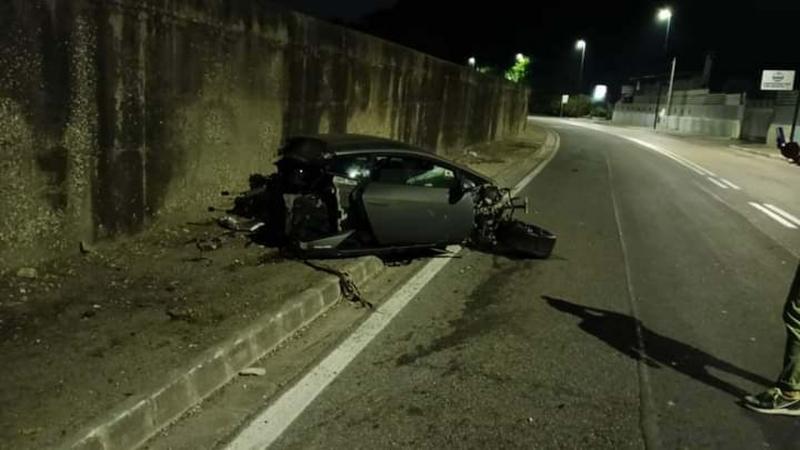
[(114, 113), (691, 112), (640, 116), (783, 111), (756, 123)]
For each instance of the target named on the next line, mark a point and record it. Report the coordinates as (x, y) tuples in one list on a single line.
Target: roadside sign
[(564, 99), (599, 93), (777, 80), (627, 90)]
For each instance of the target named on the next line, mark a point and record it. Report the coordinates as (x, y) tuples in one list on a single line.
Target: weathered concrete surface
[(116, 113), (692, 112)]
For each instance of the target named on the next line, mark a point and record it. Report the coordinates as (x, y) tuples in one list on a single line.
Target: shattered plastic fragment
[(228, 223), (207, 245), (253, 372), (27, 272)]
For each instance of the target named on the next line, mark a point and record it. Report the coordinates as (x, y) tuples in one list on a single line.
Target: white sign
[(564, 99), (600, 92), (777, 80)]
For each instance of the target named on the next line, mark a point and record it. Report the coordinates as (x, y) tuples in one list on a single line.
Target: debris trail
[(349, 288)]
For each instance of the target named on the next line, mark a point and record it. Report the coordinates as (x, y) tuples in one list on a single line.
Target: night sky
[(624, 38)]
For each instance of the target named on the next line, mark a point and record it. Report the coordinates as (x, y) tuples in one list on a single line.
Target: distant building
[(649, 85)]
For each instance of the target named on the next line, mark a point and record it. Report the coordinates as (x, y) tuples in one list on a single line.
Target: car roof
[(321, 147)]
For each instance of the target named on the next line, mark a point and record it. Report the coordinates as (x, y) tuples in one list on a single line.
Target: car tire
[(523, 239)]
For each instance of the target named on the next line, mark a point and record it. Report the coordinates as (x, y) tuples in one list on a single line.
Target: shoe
[(772, 401)]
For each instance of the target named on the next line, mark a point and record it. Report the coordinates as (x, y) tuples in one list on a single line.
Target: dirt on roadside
[(94, 330)]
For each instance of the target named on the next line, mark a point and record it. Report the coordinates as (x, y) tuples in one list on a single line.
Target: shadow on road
[(619, 331)]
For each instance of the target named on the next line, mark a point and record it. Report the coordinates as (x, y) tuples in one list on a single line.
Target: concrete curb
[(516, 174), (758, 152), (131, 425)]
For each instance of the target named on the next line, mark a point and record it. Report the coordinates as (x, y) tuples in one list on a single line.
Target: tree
[(578, 106), (520, 70)]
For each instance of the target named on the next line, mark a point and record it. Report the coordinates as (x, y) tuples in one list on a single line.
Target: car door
[(409, 200)]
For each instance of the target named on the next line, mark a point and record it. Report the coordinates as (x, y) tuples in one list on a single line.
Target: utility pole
[(664, 14), (671, 83), (794, 118)]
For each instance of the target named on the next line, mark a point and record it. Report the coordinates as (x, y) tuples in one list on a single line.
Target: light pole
[(581, 45), (665, 15), (471, 61)]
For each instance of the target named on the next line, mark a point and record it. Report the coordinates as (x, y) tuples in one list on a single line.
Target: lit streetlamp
[(520, 57), (471, 61), (581, 46), (665, 15)]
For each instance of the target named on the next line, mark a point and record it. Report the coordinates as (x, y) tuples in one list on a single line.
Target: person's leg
[(789, 380), (784, 398)]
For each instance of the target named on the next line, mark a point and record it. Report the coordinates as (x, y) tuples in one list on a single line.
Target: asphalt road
[(659, 309)]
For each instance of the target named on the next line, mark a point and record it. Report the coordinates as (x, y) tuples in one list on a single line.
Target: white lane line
[(784, 214), (728, 182), (700, 170), (773, 215), (718, 183), (663, 152), (268, 426), (528, 178), (685, 161)]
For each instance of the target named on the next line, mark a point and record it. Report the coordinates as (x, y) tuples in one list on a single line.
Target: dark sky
[(624, 38), (338, 9)]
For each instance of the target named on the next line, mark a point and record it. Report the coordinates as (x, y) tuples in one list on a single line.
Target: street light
[(520, 57), (471, 61), (581, 45), (665, 15)]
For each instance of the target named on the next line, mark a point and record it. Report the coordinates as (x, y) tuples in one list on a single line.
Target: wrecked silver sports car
[(345, 195)]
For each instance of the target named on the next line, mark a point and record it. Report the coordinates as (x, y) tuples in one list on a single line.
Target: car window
[(413, 172), (352, 167)]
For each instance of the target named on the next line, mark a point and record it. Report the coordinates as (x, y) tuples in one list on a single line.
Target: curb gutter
[(764, 153)]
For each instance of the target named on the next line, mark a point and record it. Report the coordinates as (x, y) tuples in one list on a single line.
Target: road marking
[(718, 183), (730, 184), (528, 178), (773, 215), (664, 153), (648, 421), (700, 170), (784, 214), (738, 211), (697, 168), (270, 424)]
